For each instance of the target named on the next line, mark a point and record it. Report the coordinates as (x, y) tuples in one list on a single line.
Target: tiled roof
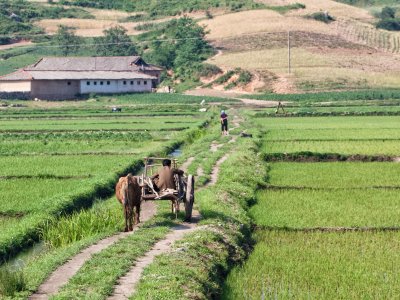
[(17, 75), (111, 63), (83, 75), (70, 68)]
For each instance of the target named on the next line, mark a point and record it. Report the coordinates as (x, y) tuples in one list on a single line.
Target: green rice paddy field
[(55, 156), (325, 230), (377, 135)]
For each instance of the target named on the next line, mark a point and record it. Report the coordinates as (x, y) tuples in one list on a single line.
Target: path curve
[(186, 164), (215, 171), (62, 275)]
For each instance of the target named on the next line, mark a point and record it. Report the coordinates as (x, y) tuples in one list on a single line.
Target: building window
[(101, 82), (124, 82), (87, 82), (138, 82), (131, 82), (69, 82), (145, 82), (108, 82), (95, 83)]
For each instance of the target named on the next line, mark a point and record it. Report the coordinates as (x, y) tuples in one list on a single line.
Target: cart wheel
[(189, 198)]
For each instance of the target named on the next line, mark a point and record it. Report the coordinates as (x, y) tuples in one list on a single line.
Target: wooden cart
[(184, 187)]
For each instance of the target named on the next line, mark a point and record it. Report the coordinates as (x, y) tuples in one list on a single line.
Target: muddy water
[(176, 153), (18, 262)]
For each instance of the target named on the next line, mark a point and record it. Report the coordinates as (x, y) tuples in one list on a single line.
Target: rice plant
[(11, 281)]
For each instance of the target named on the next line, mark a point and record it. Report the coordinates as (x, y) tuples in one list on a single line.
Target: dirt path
[(262, 103), (126, 284), (61, 275), (215, 171), (186, 164), (14, 45), (215, 146)]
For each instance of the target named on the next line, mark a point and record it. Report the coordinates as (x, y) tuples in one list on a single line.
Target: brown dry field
[(334, 8), (323, 56), (85, 27), (104, 19), (109, 14), (256, 21)]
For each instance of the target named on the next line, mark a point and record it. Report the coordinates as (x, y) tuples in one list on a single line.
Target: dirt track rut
[(126, 284)]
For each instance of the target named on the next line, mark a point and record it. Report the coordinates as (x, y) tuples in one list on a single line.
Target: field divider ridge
[(327, 229)]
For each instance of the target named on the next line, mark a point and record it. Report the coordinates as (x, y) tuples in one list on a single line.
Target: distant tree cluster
[(17, 16), (179, 46), (115, 42), (388, 19), (160, 8)]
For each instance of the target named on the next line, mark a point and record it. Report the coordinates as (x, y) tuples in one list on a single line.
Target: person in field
[(224, 123), (164, 179)]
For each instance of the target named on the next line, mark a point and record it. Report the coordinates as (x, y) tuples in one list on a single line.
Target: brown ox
[(128, 193)]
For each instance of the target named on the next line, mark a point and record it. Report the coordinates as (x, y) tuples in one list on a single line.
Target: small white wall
[(115, 86), (15, 86)]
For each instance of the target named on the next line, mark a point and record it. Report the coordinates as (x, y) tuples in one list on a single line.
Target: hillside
[(346, 53), (252, 36)]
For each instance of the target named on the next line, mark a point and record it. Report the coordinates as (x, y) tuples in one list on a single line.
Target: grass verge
[(196, 266), (287, 265), (95, 280)]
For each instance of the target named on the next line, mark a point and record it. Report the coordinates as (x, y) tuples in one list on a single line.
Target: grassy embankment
[(299, 253)]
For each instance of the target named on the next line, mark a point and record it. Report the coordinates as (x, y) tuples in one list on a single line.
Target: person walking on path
[(224, 123)]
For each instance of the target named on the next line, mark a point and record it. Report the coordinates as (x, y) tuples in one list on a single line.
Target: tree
[(115, 42), (67, 40), (388, 13), (182, 45)]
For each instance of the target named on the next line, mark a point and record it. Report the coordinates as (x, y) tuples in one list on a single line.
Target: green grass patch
[(343, 135), (327, 208), (334, 175), (345, 110), (377, 148), (11, 281), (294, 265), (283, 9), (332, 96)]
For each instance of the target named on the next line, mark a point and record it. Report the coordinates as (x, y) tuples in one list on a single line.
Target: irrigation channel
[(19, 261)]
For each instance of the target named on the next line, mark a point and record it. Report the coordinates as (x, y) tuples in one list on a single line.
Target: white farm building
[(68, 77)]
